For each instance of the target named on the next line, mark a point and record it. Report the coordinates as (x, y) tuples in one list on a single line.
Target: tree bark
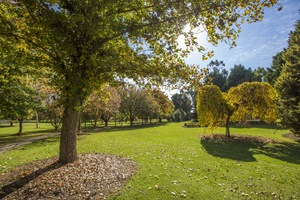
[(227, 127), (131, 122), (37, 125), (20, 126), (106, 123), (79, 122), (67, 149), (229, 114)]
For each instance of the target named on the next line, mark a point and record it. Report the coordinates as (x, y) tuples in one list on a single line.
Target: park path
[(10, 146)]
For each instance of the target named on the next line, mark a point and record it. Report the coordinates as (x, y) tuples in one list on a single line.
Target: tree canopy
[(87, 43), (253, 100), (18, 101), (218, 74), (183, 104), (274, 71)]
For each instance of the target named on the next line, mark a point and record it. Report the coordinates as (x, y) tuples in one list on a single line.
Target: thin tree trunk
[(67, 149), (131, 122), (11, 123), (95, 123), (37, 125), (227, 127), (229, 113)]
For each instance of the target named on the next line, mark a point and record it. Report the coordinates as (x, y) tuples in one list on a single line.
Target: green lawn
[(175, 164), (9, 134)]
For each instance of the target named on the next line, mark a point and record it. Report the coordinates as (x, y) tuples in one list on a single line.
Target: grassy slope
[(175, 164)]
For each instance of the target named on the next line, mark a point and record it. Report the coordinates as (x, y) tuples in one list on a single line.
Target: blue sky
[(258, 42)]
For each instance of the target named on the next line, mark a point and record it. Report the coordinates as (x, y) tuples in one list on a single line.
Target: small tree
[(112, 104), (254, 100), (213, 107), (133, 101), (54, 111), (150, 107), (18, 101), (165, 106), (95, 103)]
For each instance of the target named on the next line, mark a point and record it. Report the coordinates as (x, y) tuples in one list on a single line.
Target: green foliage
[(178, 115), (238, 74), (182, 103), (274, 71), (96, 101), (54, 111), (288, 83), (18, 101), (110, 107), (133, 102), (218, 75), (85, 44), (165, 106)]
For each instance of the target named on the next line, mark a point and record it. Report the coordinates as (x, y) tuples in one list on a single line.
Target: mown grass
[(8, 134), (175, 164)]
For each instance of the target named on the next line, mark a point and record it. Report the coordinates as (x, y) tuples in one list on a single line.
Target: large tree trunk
[(20, 126), (79, 122), (67, 149)]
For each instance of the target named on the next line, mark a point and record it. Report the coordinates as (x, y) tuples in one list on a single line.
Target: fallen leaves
[(92, 176)]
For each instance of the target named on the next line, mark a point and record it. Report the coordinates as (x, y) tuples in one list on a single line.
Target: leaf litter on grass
[(92, 176)]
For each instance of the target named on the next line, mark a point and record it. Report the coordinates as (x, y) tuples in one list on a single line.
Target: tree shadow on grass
[(20, 182), (234, 150), (284, 151), (245, 150)]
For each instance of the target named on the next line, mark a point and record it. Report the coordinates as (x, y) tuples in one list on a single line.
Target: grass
[(8, 134), (175, 164)]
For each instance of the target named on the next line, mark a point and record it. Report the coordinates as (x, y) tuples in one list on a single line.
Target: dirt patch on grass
[(92, 176), (291, 136), (239, 138)]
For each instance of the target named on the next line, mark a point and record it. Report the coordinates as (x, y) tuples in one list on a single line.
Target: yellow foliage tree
[(248, 100), (254, 100)]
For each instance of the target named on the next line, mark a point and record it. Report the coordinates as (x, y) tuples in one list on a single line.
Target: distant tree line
[(19, 100)]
